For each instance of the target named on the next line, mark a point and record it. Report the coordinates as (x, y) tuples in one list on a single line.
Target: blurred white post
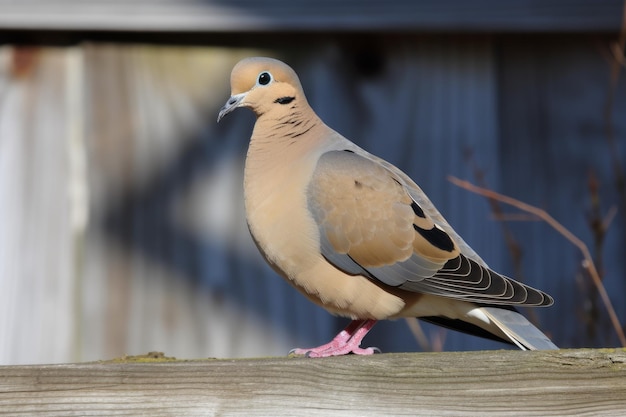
[(78, 188), (42, 202)]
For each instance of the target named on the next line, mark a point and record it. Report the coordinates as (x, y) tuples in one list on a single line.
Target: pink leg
[(347, 341)]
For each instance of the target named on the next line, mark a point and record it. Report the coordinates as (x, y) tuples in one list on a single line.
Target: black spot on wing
[(417, 210), (436, 237), (348, 150)]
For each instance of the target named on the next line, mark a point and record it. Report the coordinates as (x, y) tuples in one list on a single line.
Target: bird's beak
[(232, 103)]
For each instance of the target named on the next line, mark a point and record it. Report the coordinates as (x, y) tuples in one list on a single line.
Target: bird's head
[(263, 85)]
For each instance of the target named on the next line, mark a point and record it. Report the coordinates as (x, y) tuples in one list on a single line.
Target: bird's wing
[(372, 224)]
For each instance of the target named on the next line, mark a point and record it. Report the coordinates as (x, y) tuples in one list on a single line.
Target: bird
[(355, 234)]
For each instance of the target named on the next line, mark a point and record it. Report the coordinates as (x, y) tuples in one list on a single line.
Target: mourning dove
[(354, 233)]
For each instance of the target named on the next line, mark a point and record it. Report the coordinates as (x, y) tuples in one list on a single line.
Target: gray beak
[(232, 103)]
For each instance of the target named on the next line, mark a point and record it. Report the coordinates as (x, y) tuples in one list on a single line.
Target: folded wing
[(373, 223)]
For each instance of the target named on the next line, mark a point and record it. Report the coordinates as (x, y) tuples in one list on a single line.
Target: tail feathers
[(518, 329), (499, 324)]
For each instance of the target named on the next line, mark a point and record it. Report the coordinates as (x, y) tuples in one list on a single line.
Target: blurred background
[(121, 213)]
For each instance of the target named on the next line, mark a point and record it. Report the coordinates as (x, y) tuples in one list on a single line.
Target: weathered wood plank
[(567, 382), (312, 15)]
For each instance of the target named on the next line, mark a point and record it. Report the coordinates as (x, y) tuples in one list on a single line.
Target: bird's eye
[(264, 78)]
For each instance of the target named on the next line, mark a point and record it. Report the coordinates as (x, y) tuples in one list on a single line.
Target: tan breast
[(275, 186)]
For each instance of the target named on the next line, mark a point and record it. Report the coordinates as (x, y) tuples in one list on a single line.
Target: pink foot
[(347, 341)]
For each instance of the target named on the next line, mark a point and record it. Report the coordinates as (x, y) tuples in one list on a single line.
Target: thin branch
[(608, 219), (618, 47), (515, 217), (616, 66), (618, 54), (514, 248), (588, 261)]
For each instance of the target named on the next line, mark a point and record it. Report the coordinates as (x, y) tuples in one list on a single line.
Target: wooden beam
[(235, 16), (548, 383)]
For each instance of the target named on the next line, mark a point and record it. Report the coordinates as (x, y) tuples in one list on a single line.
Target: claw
[(346, 342)]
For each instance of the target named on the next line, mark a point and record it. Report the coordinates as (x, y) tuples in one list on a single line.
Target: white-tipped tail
[(518, 329)]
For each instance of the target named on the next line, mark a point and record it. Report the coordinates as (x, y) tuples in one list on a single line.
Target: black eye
[(265, 78)]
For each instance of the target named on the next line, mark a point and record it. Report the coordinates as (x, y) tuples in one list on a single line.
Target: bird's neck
[(292, 134), (283, 148), (284, 127)]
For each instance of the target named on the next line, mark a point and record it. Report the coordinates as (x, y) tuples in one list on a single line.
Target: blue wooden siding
[(165, 261)]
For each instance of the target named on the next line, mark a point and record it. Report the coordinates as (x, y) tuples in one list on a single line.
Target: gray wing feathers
[(463, 277), (340, 260), (414, 268)]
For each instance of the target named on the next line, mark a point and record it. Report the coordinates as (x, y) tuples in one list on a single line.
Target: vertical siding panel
[(552, 103), (168, 263)]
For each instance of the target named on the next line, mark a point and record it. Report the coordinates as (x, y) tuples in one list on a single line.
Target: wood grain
[(566, 382)]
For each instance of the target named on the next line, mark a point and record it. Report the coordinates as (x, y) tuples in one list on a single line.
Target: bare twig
[(617, 49), (514, 248), (515, 217), (608, 218), (587, 262), (618, 54), (596, 226)]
